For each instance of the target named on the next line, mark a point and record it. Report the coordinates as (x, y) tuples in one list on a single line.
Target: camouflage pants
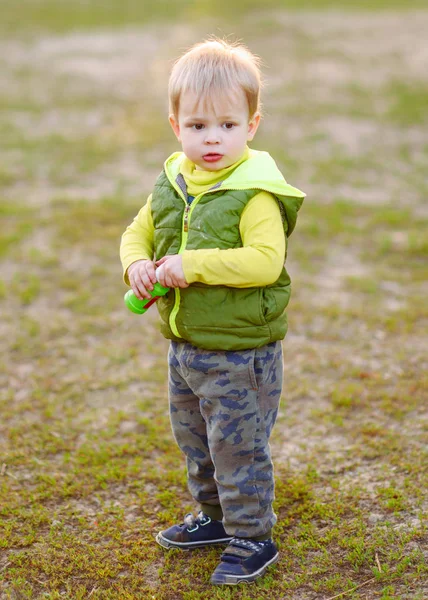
[(223, 406)]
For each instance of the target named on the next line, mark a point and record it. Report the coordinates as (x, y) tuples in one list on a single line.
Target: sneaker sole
[(165, 543), (223, 579)]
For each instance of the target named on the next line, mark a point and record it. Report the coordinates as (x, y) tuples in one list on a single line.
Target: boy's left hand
[(171, 274)]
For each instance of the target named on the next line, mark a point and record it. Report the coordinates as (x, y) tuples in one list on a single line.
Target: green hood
[(258, 172)]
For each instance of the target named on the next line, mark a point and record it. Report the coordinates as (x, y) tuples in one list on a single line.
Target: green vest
[(217, 317)]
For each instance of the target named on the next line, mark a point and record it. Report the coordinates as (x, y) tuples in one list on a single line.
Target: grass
[(406, 102), (76, 507), (56, 15), (89, 471)]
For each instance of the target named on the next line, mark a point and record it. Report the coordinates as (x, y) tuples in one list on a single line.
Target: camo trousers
[(223, 406)]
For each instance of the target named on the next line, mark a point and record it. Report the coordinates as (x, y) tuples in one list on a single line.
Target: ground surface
[(88, 468)]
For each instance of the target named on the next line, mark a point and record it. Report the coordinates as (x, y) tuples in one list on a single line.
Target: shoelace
[(191, 521)]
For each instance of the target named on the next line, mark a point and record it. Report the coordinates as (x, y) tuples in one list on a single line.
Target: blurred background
[(88, 468)]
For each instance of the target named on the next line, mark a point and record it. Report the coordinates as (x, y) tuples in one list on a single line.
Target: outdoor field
[(89, 469)]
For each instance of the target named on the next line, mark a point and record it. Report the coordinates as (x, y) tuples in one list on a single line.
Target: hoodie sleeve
[(137, 240), (258, 263)]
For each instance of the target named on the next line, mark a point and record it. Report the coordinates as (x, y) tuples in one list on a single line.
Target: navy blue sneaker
[(195, 532), (244, 560)]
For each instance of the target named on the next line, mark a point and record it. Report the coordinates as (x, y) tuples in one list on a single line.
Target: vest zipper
[(184, 234), (186, 218)]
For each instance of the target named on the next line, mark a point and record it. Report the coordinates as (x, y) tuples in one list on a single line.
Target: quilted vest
[(217, 317)]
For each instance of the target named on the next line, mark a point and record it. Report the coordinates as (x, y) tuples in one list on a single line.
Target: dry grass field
[(89, 471)]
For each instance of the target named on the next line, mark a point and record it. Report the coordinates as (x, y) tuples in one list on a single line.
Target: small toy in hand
[(138, 306)]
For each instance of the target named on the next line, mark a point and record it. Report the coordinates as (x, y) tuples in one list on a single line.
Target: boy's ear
[(175, 126), (253, 126)]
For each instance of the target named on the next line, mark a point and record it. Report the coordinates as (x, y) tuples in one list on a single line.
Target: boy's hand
[(171, 273), (142, 276)]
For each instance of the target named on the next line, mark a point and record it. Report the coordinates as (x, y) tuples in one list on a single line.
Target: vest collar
[(258, 172)]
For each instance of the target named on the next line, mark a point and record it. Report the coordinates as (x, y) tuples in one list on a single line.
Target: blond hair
[(216, 65)]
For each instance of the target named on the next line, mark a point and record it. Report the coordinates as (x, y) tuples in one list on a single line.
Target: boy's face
[(214, 134)]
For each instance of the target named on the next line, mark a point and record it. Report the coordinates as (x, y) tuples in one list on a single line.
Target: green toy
[(138, 306)]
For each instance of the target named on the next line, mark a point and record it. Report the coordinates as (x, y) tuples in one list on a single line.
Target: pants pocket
[(252, 371)]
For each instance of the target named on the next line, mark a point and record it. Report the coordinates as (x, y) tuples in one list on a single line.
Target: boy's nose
[(212, 137)]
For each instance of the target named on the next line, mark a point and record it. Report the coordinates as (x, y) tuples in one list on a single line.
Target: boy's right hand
[(142, 276)]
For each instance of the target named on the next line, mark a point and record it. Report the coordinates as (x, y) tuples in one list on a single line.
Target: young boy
[(215, 231)]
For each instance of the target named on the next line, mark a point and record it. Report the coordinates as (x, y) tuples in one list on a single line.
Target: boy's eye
[(198, 126), (229, 125)]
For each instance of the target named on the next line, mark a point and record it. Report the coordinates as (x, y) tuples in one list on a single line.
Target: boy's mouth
[(212, 157)]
